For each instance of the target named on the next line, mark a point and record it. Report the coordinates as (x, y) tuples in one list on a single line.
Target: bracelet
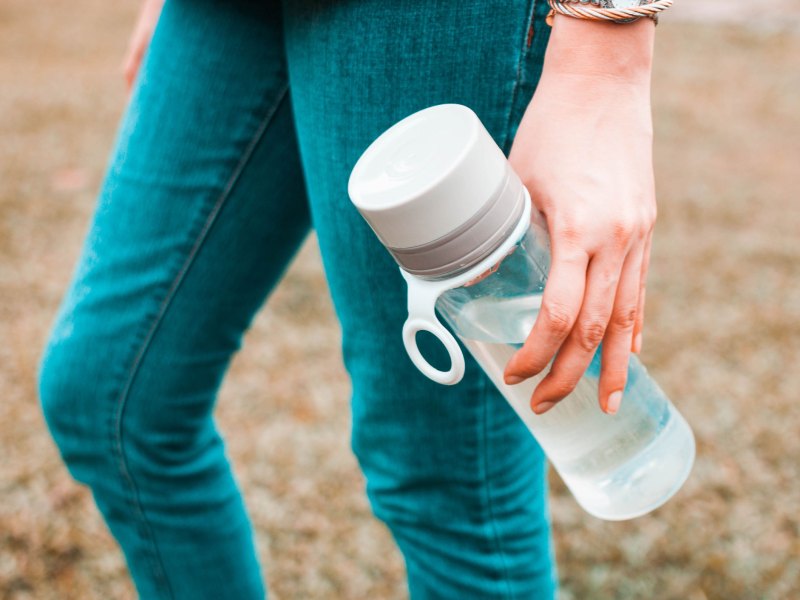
[(577, 9)]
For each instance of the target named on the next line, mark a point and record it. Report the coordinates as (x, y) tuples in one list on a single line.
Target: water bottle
[(441, 196)]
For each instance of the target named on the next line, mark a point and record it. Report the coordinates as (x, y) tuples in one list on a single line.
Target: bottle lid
[(437, 191)]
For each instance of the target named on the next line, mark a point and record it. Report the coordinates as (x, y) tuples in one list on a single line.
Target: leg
[(451, 470), (201, 210)]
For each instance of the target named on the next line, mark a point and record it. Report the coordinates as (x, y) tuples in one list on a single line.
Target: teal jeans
[(240, 135)]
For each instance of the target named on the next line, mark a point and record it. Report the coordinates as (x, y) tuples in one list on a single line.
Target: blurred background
[(722, 333)]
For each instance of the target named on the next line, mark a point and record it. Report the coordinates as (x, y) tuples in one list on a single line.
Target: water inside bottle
[(617, 466)]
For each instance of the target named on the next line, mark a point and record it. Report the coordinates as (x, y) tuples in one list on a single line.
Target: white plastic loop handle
[(422, 296)]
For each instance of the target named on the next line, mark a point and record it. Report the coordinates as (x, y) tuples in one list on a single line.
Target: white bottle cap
[(437, 190)]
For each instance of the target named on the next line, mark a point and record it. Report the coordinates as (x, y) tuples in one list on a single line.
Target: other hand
[(140, 39)]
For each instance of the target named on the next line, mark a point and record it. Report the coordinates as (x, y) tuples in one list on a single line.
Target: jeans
[(240, 134)]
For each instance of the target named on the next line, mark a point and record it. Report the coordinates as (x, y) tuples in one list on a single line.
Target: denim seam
[(495, 533), (523, 53), (116, 432)]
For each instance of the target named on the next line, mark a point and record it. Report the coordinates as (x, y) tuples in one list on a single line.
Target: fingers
[(619, 333), (561, 302), (590, 327), (639, 326), (140, 39), (130, 65), (594, 294)]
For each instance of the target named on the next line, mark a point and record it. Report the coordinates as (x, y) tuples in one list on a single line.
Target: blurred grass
[(723, 318)]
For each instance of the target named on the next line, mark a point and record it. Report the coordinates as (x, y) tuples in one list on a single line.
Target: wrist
[(611, 51)]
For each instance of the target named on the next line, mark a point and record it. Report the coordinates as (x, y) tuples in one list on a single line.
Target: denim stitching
[(116, 433), (524, 50), (495, 533)]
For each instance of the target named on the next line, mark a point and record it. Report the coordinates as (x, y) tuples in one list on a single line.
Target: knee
[(95, 425), (411, 476), (425, 462), (70, 400), (466, 504), (73, 409)]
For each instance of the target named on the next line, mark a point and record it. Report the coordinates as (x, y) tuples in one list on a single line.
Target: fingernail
[(613, 402), (543, 407), (513, 379), (637, 343)]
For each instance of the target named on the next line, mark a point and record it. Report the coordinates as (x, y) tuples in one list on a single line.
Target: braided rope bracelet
[(617, 15)]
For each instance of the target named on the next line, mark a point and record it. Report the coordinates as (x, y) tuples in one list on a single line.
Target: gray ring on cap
[(472, 241)]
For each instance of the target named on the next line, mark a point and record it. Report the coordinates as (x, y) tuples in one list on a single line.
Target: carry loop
[(422, 296)]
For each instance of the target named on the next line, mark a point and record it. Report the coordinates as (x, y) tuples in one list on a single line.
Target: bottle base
[(644, 483)]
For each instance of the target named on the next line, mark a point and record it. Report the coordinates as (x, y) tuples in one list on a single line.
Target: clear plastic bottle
[(617, 466), (479, 256)]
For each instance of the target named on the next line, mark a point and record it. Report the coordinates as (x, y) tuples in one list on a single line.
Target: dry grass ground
[(723, 337)]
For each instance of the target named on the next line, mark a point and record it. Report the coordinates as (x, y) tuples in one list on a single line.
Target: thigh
[(358, 67)]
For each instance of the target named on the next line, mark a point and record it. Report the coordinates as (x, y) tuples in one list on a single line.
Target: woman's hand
[(140, 39), (584, 151)]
